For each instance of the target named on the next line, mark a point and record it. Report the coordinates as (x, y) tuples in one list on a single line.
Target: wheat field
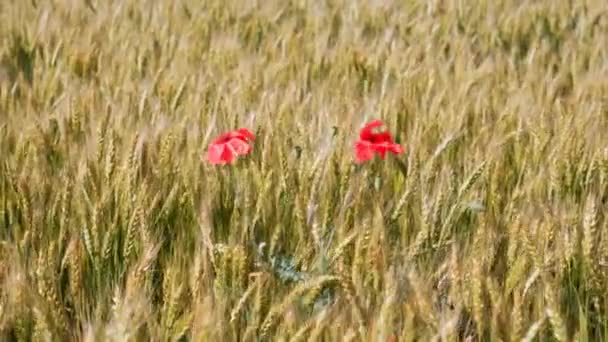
[(490, 226)]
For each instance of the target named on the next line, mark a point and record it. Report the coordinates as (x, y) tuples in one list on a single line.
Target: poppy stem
[(402, 166)]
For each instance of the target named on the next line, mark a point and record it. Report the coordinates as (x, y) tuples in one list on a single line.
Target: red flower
[(371, 143), (226, 148)]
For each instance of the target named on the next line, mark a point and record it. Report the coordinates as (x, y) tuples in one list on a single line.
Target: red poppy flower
[(226, 148), (370, 143)]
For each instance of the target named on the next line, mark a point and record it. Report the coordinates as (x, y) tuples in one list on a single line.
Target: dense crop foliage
[(490, 226)]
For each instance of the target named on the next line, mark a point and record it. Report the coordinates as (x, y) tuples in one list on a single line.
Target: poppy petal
[(224, 138), (366, 132), (385, 137), (228, 154), (239, 146), (228, 146), (396, 148), (246, 134), (214, 154), (363, 151)]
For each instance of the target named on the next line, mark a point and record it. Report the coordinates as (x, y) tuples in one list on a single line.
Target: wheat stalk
[(277, 310)]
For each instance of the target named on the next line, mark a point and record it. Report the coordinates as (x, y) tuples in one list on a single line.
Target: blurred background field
[(490, 227)]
